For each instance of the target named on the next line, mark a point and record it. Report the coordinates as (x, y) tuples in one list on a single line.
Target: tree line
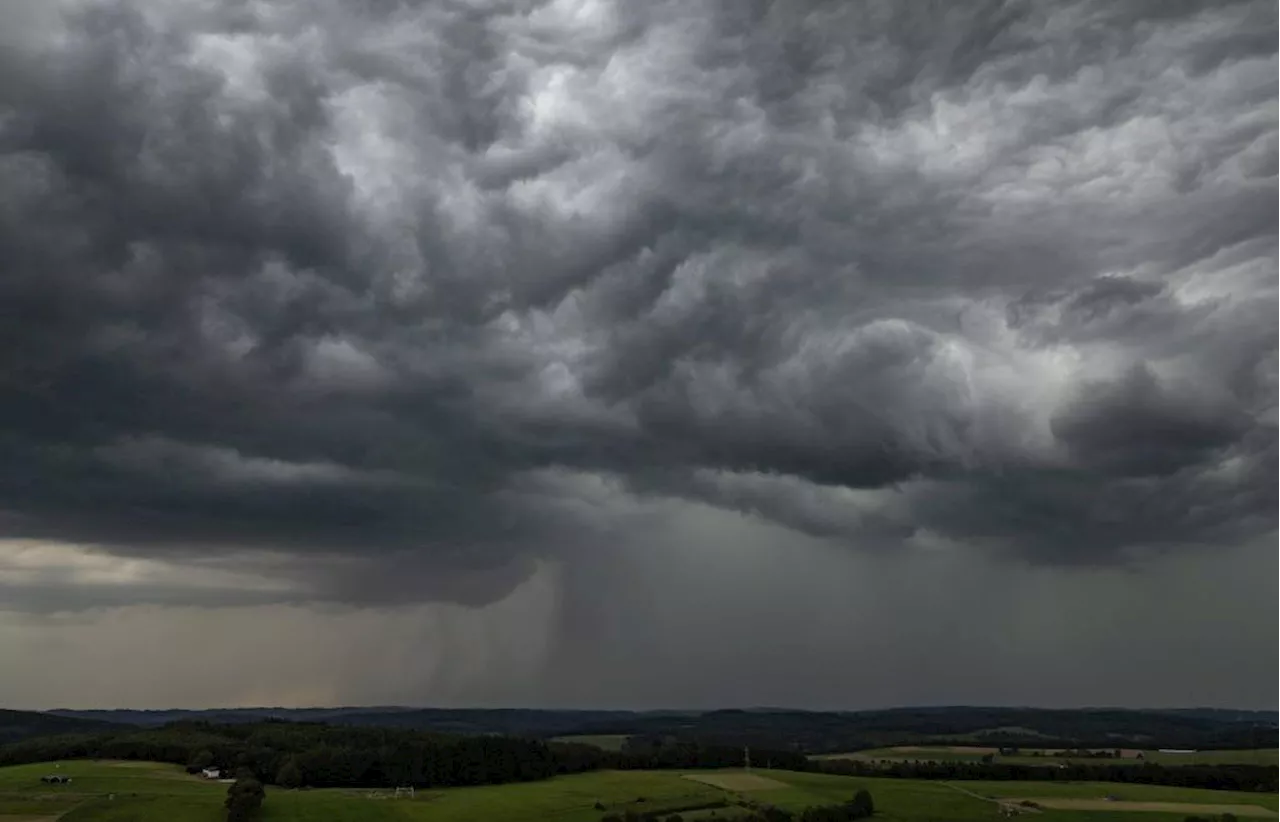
[(323, 756)]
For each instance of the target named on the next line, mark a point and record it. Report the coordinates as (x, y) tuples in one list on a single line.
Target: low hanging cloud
[(391, 301)]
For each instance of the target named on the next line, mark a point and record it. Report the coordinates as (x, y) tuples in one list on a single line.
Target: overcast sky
[(629, 354)]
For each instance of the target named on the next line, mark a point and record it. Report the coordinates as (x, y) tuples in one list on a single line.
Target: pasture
[(103, 791)]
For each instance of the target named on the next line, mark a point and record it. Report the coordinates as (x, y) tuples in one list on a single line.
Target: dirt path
[(968, 792), (1001, 803)]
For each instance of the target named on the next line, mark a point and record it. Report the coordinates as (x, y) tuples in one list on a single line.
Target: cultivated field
[(1164, 807), (1028, 756), (145, 792), (608, 742), (740, 781)]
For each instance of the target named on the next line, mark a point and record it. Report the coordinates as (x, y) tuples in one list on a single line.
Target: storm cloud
[(404, 303)]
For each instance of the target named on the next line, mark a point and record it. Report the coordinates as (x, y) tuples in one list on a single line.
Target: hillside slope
[(18, 725)]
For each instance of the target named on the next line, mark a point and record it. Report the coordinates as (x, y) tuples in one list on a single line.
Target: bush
[(244, 798)]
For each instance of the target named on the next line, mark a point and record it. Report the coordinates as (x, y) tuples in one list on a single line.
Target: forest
[(812, 731), (315, 755)]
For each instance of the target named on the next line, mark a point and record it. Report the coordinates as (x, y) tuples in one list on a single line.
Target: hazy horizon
[(667, 709)]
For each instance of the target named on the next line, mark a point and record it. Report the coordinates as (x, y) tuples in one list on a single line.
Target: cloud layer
[(392, 302)]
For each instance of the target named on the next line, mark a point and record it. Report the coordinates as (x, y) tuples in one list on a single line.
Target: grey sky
[(613, 353)]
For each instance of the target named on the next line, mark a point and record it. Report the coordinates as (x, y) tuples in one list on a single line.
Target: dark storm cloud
[(996, 274), (1136, 427)]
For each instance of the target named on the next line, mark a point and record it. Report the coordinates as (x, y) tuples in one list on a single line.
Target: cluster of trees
[(1085, 753), (244, 798), (1259, 778)]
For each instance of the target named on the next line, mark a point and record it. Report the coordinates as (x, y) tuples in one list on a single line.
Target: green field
[(145, 792), (142, 791), (1151, 793), (975, 753)]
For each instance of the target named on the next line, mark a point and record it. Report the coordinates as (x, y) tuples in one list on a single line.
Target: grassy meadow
[(145, 792)]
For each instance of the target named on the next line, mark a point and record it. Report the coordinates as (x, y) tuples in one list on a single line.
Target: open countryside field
[(737, 781), (1135, 793), (144, 792), (1165, 807), (607, 742), (1028, 756)]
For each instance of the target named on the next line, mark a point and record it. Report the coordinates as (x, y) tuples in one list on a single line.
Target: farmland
[(1044, 756), (103, 791), (605, 742)]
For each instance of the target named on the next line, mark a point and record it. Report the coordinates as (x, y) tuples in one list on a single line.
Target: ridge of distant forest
[(17, 725), (807, 731)]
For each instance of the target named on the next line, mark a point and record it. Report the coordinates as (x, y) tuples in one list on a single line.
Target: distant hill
[(519, 721), (809, 731), (18, 725), (1226, 715)]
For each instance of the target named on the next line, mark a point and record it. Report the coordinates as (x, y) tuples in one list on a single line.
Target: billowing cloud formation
[(391, 301)]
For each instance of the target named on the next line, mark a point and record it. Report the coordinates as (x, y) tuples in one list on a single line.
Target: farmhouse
[(211, 773)]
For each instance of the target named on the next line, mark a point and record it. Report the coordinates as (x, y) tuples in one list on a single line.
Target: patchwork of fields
[(145, 792), (606, 742), (1046, 756)]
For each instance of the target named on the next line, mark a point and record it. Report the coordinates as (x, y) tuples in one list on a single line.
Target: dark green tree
[(244, 799), (862, 803), (289, 775), (200, 760)]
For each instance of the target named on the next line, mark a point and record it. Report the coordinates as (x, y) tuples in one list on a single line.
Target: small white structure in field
[(404, 792), (211, 773)]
